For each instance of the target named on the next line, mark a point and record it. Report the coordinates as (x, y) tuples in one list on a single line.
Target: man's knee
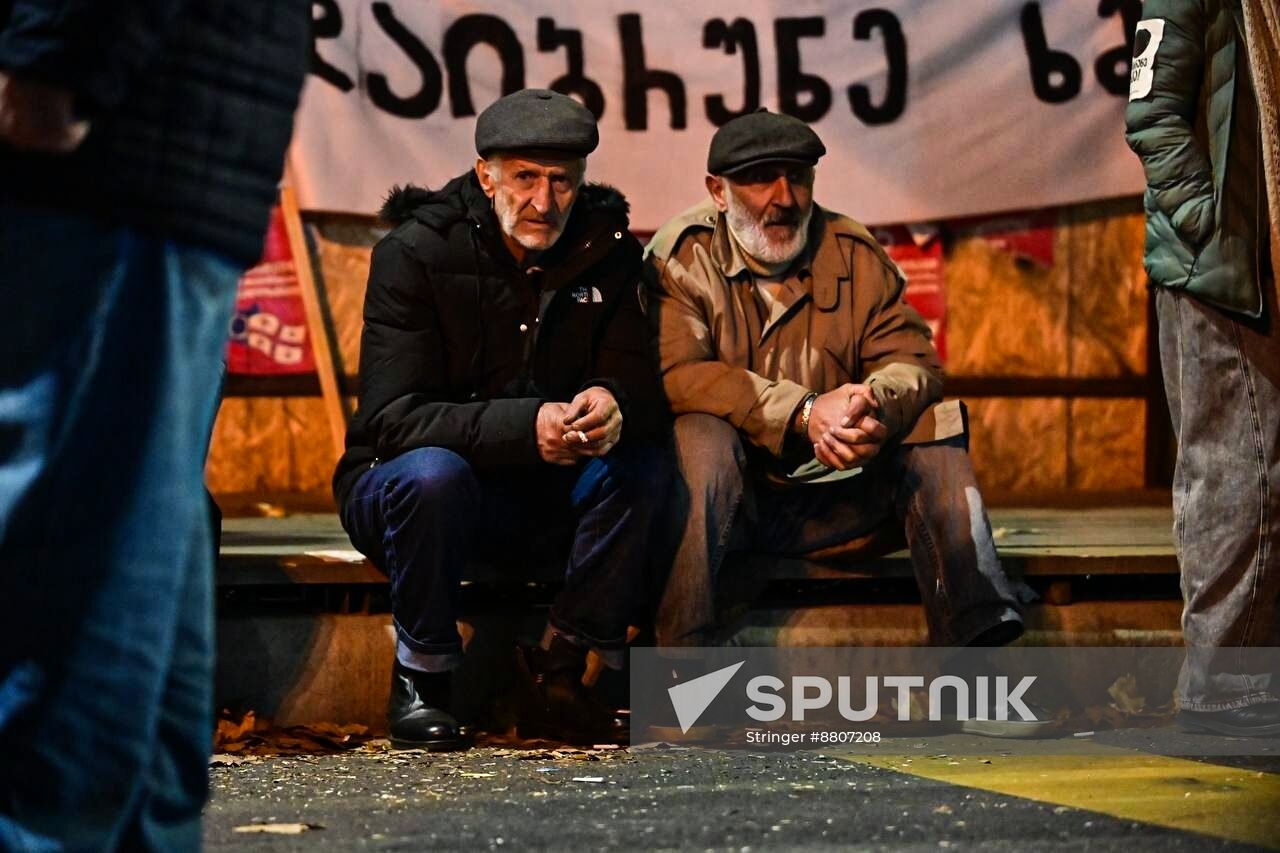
[(947, 462), (643, 469), (709, 449), (434, 476)]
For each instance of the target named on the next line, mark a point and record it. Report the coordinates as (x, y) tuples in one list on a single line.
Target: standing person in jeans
[(140, 147), (507, 387), (1202, 116)]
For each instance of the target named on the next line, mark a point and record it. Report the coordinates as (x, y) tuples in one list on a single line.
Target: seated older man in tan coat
[(804, 387)]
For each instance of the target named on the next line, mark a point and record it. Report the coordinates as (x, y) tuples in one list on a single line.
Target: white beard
[(751, 235), (508, 218)]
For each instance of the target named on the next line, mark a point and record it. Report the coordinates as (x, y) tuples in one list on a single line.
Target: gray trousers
[(1222, 377), (929, 489)]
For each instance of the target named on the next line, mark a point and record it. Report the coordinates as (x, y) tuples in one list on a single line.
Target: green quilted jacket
[(1193, 120)]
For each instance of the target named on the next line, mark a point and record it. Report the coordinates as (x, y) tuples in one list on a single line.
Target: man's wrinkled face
[(532, 195), (767, 206)]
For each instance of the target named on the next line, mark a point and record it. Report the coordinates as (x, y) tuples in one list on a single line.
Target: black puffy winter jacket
[(461, 346)]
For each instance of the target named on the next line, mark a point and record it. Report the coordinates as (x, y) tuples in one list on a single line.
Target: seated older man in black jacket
[(507, 386)]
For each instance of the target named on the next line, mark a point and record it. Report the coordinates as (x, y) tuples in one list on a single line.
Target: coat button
[(617, 235), (524, 327)]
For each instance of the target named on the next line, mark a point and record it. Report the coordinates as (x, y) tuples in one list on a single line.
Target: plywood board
[(1107, 327), (270, 444), (1105, 450), (1005, 316), (1019, 445)]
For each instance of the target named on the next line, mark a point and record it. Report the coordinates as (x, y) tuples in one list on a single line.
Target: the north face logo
[(586, 295)]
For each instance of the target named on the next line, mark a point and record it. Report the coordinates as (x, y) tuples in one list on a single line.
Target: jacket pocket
[(1169, 260)]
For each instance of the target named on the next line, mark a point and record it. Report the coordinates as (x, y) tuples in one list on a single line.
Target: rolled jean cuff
[(613, 654), (1227, 705), (426, 650), (427, 661)]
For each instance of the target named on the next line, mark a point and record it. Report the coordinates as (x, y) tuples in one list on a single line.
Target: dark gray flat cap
[(761, 137), (536, 118)]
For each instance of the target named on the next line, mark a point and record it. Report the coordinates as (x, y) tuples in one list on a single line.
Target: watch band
[(805, 410)]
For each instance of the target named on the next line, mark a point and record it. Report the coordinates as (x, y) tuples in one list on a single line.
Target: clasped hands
[(587, 426), (843, 428)]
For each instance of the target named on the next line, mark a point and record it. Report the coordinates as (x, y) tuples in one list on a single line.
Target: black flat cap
[(536, 118), (760, 137)]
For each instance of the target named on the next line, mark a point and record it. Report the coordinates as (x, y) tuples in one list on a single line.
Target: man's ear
[(486, 182), (716, 187)]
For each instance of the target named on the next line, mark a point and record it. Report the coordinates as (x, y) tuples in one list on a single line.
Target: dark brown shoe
[(558, 705)]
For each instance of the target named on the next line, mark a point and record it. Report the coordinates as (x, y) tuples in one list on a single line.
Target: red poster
[(1027, 236), (917, 250), (269, 331)]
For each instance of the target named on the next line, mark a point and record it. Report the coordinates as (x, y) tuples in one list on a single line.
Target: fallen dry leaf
[(250, 735), (270, 510), (230, 760), (278, 828), (230, 731), (1125, 696)]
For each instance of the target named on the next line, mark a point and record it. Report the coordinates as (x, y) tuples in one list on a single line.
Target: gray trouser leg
[(710, 487), (965, 591), (932, 488), (1222, 378)]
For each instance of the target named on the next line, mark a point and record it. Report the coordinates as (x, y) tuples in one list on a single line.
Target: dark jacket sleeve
[(90, 47), (1159, 125), (404, 399), (627, 360)]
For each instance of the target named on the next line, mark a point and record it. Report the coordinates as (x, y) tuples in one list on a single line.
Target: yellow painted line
[(1224, 802)]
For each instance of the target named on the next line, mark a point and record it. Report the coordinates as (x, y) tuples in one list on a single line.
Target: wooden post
[(321, 347)]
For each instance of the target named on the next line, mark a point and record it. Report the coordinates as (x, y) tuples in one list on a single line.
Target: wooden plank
[(321, 346), (312, 548)]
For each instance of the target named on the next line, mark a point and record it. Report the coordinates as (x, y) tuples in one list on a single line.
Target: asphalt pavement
[(662, 798)]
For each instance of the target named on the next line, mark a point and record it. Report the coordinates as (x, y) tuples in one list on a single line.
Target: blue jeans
[(113, 344), (422, 516), (929, 490)]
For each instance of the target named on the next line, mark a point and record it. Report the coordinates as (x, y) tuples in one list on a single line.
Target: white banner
[(928, 109)]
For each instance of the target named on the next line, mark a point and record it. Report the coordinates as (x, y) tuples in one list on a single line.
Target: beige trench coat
[(845, 321)]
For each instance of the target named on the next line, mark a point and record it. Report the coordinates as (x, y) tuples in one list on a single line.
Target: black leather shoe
[(416, 712), (1261, 720), (558, 706)]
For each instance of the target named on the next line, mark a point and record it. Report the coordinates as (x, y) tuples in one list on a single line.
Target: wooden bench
[(312, 548), (304, 629)]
